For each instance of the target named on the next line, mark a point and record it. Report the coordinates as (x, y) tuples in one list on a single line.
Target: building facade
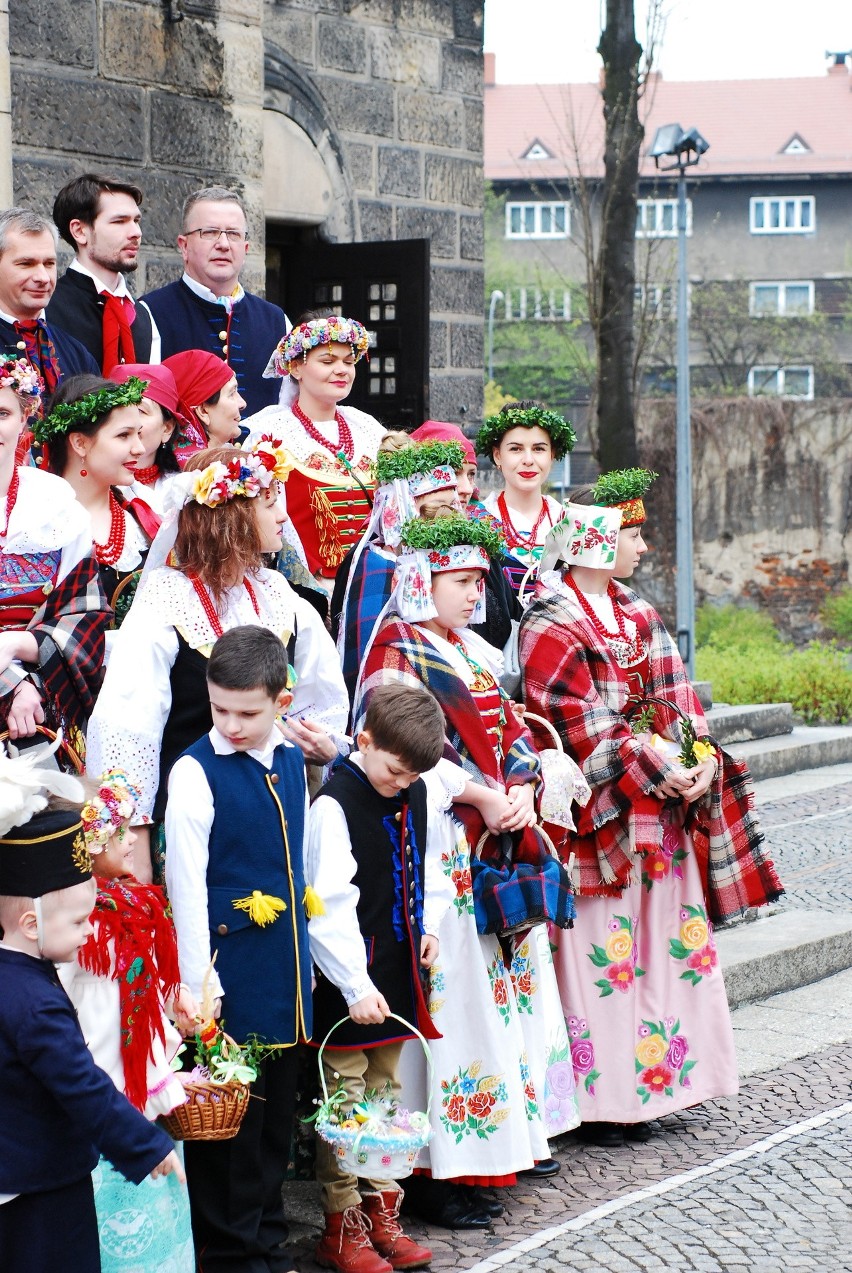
[(352, 128)]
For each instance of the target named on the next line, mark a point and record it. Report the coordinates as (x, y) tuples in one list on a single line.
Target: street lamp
[(683, 150), (496, 296)]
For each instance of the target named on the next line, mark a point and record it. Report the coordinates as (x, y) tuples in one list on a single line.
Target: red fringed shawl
[(144, 962)]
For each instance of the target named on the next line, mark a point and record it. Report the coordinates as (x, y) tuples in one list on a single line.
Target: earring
[(84, 472)]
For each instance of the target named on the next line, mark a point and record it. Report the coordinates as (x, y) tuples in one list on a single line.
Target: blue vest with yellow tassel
[(255, 862)]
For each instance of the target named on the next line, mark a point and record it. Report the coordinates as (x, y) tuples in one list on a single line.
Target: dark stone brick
[(434, 16), (376, 221), (467, 343), (161, 270), (405, 58), (400, 172), (364, 108), (341, 45), (472, 236), (292, 31), (89, 117), (462, 71), (429, 117), (450, 180), (164, 195), (35, 182), (359, 160), (438, 347), (473, 122), (428, 223), (467, 15), (61, 31), (456, 398), (187, 132), (457, 291), (138, 44)]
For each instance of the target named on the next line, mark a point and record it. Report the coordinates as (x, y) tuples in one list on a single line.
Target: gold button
[(21, 344), (224, 349), (398, 817), (222, 930), (223, 335), (47, 589), (408, 851), (273, 778)]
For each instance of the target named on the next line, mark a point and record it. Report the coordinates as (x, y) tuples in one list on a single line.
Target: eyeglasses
[(210, 234)]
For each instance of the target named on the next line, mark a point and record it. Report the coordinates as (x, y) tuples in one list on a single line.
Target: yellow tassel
[(314, 905), (262, 909)]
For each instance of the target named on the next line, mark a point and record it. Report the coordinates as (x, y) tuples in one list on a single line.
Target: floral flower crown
[(419, 458), (444, 533), (21, 377), (624, 489), (319, 331), (106, 812), (67, 416), (562, 436), (246, 475)]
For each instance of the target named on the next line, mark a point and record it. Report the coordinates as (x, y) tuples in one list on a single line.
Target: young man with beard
[(99, 217)]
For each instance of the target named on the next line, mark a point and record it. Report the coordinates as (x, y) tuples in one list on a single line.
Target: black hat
[(48, 853)]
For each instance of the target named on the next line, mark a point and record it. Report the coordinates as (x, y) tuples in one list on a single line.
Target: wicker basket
[(65, 749), (213, 1111)]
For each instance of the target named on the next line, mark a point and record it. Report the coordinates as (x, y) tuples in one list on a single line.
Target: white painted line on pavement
[(806, 817), (587, 1218)]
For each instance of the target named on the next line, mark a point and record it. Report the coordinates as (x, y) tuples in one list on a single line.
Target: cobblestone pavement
[(782, 1209)]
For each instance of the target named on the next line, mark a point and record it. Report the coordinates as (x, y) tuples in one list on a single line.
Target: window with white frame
[(657, 218), (794, 215), (655, 301), (538, 220), (539, 304), (781, 382), (784, 300)]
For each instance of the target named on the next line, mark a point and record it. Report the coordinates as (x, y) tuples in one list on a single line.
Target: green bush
[(816, 680), (837, 614), (731, 626)]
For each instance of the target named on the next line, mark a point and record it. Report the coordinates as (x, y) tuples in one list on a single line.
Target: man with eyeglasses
[(208, 308)]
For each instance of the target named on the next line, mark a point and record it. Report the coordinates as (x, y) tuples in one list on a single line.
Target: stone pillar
[(240, 30), (6, 198)]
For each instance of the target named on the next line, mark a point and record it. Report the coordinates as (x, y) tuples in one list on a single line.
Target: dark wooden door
[(386, 287)]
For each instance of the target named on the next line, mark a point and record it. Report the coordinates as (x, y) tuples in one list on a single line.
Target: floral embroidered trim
[(583, 1053), (618, 957), (469, 1103), (695, 944), (660, 1059)]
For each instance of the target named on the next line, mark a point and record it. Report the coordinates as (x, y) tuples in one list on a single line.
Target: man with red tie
[(27, 281), (100, 219)]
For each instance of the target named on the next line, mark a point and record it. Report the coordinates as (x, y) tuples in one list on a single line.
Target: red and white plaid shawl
[(571, 678)]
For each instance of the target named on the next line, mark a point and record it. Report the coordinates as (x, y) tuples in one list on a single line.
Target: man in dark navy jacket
[(27, 281), (99, 217), (208, 307)]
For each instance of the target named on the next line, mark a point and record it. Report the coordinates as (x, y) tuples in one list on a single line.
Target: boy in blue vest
[(366, 855), (235, 821)]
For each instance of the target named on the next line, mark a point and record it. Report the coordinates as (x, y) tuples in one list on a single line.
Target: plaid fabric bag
[(511, 897)]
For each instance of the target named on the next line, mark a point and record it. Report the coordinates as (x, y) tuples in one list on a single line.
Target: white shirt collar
[(119, 290), (264, 754), (10, 318), (227, 302)]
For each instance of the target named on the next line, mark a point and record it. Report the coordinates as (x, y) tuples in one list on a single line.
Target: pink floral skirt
[(642, 993)]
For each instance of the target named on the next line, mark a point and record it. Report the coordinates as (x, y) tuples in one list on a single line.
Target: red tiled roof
[(747, 122)]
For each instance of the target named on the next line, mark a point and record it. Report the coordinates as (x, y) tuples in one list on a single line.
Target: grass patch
[(742, 654)]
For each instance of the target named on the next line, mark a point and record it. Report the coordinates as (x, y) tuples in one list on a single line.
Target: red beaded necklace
[(209, 608), (522, 538), (630, 644), (345, 442), (109, 553), (149, 475), (10, 501)]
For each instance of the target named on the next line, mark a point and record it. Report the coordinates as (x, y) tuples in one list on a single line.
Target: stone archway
[(305, 176)]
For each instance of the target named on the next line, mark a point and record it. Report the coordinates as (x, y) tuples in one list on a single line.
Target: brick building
[(353, 128)]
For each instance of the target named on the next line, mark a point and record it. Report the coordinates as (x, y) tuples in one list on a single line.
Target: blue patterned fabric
[(143, 1228)]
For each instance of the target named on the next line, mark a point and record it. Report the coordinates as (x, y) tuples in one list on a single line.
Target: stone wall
[(772, 511), (389, 92)]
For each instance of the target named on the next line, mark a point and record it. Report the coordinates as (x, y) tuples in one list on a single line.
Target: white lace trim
[(173, 595), (367, 433), (46, 516)]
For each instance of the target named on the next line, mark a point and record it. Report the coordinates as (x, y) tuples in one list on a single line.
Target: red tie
[(119, 313), (38, 347)]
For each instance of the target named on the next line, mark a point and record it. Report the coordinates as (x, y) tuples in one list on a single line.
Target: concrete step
[(704, 693), (782, 951), (741, 723), (806, 747)]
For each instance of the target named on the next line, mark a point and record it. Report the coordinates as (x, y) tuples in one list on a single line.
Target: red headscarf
[(163, 390), (198, 376), (443, 431)]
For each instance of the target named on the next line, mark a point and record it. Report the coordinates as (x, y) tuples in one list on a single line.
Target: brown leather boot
[(387, 1237), (345, 1244)]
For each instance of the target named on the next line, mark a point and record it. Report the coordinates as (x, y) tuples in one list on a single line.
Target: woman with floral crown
[(53, 615), (333, 446), (126, 990), (668, 844), (504, 1057), (92, 436), (223, 513), (522, 441)]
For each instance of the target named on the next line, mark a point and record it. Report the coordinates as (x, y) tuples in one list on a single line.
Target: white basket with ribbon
[(376, 1138)]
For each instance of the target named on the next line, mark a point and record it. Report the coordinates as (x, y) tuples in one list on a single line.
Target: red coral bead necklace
[(209, 608), (110, 552), (345, 441), (11, 499)]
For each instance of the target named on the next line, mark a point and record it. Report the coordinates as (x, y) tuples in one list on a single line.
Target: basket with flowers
[(374, 1137), (692, 750)]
